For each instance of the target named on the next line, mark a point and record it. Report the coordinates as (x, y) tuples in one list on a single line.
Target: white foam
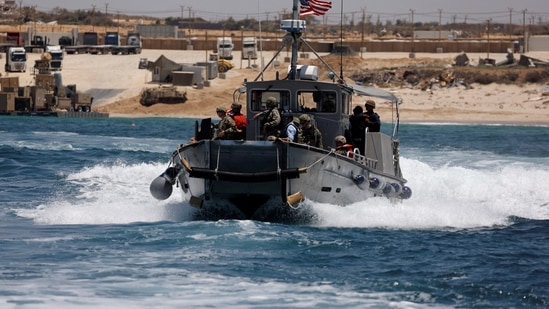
[(115, 194), (443, 197), (451, 197)]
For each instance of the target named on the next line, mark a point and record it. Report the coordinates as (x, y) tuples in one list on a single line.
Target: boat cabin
[(328, 104)]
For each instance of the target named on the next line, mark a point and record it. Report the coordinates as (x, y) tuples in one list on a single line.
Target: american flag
[(314, 7)]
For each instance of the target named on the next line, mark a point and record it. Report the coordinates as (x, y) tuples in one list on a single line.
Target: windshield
[(317, 101), (259, 100), (19, 57)]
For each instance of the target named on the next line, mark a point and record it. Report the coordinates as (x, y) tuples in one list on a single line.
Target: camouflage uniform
[(312, 136), (226, 128), (271, 121)]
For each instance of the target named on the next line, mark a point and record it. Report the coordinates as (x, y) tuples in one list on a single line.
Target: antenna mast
[(295, 32), (341, 44)]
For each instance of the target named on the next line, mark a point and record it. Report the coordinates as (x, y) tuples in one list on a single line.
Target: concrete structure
[(157, 31), (538, 43)]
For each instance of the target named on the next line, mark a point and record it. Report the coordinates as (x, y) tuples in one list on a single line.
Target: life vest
[(348, 149), (240, 121)]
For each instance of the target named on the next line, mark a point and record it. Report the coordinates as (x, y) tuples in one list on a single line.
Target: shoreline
[(116, 84), (494, 104), (410, 121)]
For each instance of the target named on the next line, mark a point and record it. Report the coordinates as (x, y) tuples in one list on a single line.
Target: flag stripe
[(314, 7)]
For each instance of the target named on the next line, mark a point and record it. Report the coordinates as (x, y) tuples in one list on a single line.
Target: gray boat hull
[(251, 179)]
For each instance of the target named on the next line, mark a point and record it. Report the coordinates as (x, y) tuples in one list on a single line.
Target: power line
[(334, 17)]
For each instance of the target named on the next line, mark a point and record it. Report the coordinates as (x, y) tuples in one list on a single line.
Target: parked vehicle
[(16, 59), (133, 45), (133, 39), (56, 56), (90, 38), (249, 48), (14, 38), (112, 38), (225, 48), (222, 64)]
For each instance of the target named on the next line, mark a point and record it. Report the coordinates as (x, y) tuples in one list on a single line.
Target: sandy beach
[(115, 82)]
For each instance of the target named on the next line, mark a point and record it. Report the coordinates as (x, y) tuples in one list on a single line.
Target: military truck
[(67, 98), (164, 94)]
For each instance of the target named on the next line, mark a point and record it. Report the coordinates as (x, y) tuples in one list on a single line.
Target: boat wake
[(445, 198)]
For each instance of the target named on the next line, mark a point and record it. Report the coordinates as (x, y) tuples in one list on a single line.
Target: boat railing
[(362, 159)]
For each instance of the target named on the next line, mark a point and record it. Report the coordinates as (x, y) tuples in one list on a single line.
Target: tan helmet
[(370, 103), (271, 102), (304, 118), (221, 109), (340, 139), (236, 106)]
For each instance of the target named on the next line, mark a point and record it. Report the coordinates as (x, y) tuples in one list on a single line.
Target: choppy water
[(78, 228)]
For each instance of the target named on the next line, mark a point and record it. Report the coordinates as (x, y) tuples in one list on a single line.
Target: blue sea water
[(79, 229)]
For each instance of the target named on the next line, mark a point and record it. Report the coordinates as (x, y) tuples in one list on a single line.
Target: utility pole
[(524, 45), (352, 25), (34, 21), (412, 52), (439, 24), (93, 17), (106, 14), (190, 27), (510, 23), (488, 38), (182, 10), (20, 13), (362, 36)]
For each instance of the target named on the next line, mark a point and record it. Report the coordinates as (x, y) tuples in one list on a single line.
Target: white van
[(249, 48), (225, 48)]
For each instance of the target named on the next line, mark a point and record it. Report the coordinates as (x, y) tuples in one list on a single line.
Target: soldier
[(342, 147), (226, 128), (311, 135), (372, 118), (239, 119), (270, 121), (358, 125)]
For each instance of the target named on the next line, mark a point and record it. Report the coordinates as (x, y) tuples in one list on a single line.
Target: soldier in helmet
[(239, 119), (342, 147), (311, 135), (372, 118), (270, 118), (226, 129)]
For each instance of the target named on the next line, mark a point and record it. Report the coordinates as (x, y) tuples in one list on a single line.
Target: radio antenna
[(341, 43)]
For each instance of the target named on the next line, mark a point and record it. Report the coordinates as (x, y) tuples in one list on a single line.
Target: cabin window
[(259, 99), (346, 104), (317, 101)]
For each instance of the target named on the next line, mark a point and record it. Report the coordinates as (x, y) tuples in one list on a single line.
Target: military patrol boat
[(257, 178)]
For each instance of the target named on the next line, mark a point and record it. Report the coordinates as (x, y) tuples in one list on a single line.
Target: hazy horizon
[(472, 11)]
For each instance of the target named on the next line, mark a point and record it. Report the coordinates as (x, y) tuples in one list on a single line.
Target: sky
[(473, 11)]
